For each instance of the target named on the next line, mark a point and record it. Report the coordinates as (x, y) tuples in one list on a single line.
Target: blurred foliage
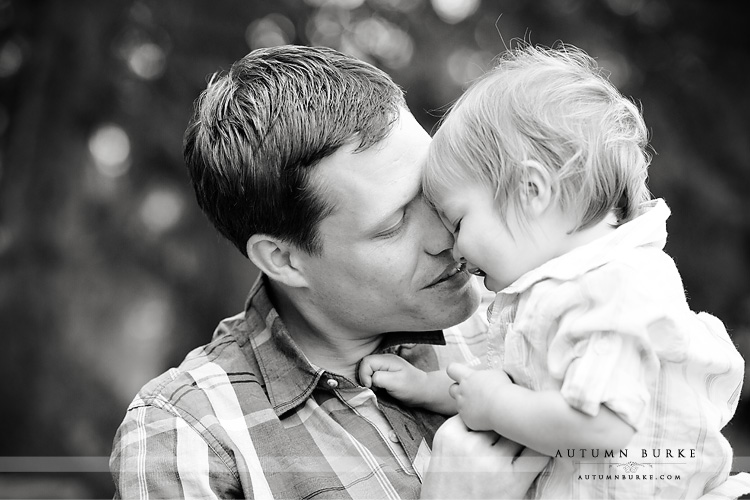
[(109, 273)]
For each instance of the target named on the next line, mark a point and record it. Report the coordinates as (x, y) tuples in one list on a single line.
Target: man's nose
[(437, 238)]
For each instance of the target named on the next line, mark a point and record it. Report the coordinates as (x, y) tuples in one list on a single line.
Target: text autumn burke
[(641, 453)]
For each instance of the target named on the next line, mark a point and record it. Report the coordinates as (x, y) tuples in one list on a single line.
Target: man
[(309, 162)]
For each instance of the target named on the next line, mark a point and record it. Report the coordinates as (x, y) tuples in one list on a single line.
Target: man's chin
[(457, 307)]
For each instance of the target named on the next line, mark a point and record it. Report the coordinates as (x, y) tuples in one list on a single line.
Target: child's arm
[(407, 383), (541, 420)]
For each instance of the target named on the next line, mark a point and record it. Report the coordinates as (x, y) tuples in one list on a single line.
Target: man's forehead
[(369, 194), (367, 191), (369, 184)]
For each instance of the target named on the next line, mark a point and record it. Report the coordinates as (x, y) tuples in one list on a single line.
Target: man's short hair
[(259, 130)]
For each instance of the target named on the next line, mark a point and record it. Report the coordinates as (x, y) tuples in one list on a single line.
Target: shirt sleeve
[(609, 370), (611, 336), (159, 455)]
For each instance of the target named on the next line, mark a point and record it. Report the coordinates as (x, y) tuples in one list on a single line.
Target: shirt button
[(392, 436), (332, 383)]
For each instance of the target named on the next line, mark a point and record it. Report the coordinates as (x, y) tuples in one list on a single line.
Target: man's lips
[(449, 272)]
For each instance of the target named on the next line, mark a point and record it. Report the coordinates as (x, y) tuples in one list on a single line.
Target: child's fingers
[(383, 362), (458, 372), (453, 391), (385, 380), (365, 372), (377, 363)]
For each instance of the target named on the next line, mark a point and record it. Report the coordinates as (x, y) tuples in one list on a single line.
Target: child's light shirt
[(608, 324)]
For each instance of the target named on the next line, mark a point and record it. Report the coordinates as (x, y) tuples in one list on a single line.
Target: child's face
[(501, 250)]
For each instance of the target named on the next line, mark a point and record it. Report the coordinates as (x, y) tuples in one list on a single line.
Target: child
[(539, 170)]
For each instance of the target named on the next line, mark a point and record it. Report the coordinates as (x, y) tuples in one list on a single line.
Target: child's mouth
[(476, 271)]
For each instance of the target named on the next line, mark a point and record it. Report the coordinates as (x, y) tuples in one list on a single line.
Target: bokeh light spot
[(465, 65), (454, 11), (148, 320), (324, 29), (384, 40), (161, 209), (147, 60), (109, 146), (6, 239), (270, 31), (618, 67), (141, 13), (11, 59)]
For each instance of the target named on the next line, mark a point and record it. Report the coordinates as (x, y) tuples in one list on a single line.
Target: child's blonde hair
[(552, 107)]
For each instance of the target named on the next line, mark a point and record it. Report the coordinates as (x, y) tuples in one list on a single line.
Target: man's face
[(386, 263)]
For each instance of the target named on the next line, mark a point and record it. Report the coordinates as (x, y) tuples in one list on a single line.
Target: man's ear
[(538, 193), (277, 259)]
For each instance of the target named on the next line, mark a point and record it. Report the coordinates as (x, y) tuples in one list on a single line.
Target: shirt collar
[(647, 230), (289, 377)]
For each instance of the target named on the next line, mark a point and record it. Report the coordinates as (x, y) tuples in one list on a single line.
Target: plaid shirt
[(247, 416)]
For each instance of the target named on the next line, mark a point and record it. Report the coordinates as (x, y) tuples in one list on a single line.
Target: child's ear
[(277, 259), (538, 192)]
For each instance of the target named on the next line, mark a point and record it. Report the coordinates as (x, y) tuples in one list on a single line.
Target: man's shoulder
[(223, 368), (182, 421)]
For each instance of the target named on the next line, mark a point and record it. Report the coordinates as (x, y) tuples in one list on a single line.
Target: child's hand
[(394, 374), (475, 391)]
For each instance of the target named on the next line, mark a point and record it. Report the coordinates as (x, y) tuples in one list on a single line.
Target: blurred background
[(109, 274)]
